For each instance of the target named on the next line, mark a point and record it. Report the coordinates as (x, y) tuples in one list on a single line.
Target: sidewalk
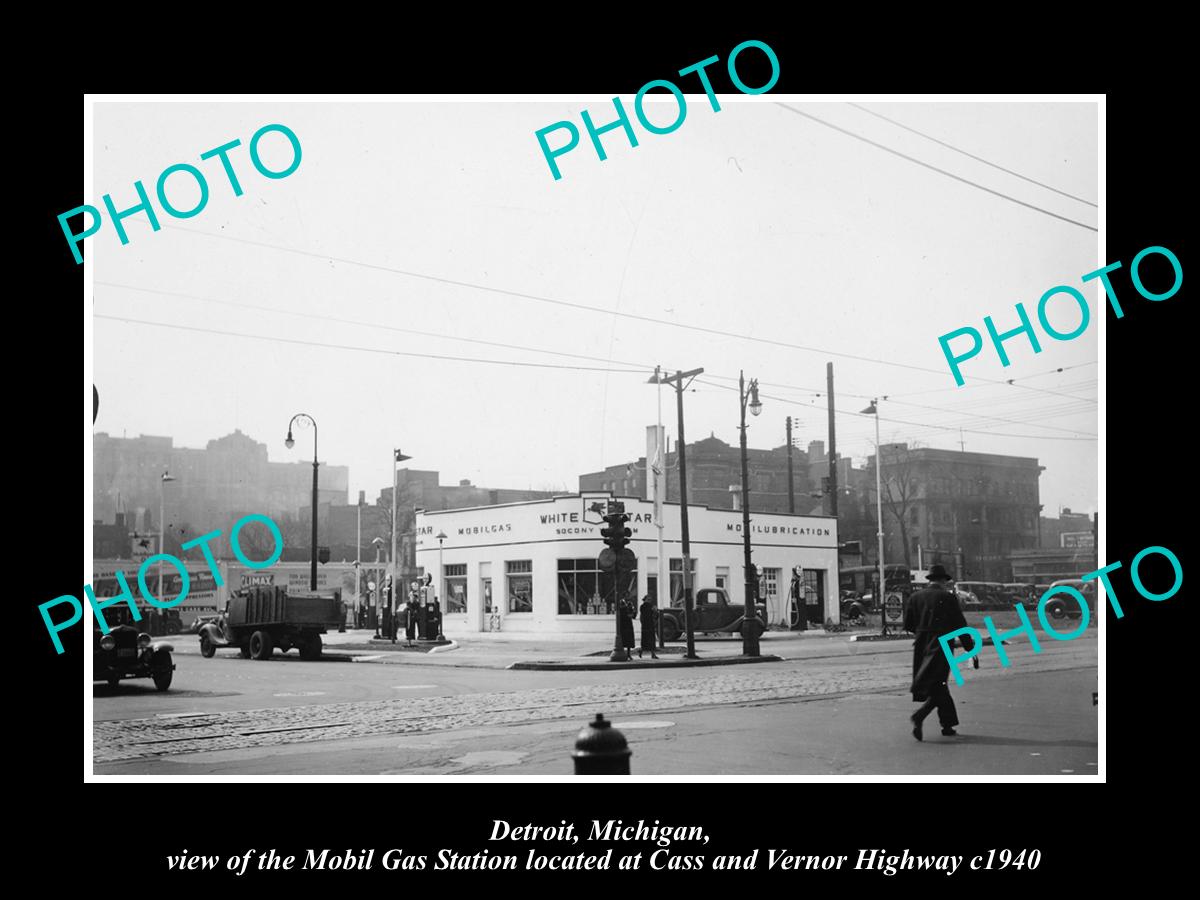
[(582, 652)]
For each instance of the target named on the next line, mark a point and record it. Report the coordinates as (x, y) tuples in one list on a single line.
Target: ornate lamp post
[(290, 443), (162, 525), (750, 621), (441, 587)]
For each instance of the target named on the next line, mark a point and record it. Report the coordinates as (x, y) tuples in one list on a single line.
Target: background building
[(713, 468), (420, 489), (213, 488), (1069, 530), (968, 511)]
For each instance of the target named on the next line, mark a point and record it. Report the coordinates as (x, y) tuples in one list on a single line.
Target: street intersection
[(829, 707)]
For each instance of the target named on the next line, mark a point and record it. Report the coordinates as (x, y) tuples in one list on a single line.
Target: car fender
[(213, 633), (161, 646)]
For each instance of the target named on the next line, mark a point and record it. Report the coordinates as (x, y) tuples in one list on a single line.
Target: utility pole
[(689, 618), (833, 484), (659, 471), (791, 482)]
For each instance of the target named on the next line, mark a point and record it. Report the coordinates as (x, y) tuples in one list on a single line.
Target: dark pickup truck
[(262, 617), (712, 613)]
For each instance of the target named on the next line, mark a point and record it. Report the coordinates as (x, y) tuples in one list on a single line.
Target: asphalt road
[(832, 707)]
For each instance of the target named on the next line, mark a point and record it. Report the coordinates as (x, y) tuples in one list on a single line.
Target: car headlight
[(108, 642), (143, 641)]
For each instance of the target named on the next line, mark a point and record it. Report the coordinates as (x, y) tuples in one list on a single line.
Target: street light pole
[(162, 526), (441, 585), (392, 568), (874, 408), (689, 618), (358, 559), (289, 443), (749, 620)]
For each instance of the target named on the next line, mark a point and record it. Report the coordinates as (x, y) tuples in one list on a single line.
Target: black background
[(1082, 834)]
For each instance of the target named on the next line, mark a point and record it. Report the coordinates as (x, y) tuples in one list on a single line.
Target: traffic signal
[(616, 535)]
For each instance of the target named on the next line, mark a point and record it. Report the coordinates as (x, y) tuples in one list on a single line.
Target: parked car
[(966, 599), (712, 613), (1063, 606), (128, 652), (262, 617), (199, 622), (855, 607), (991, 594)]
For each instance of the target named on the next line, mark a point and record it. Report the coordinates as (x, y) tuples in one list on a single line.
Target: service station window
[(456, 588), (579, 587), (519, 575), (585, 590)]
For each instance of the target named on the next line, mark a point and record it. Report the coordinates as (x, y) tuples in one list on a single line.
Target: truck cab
[(712, 613)]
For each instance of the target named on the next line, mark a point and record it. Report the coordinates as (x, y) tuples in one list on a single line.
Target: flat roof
[(602, 494)]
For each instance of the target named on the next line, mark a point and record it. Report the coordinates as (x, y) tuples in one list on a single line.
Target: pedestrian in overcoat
[(649, 619), (931, 613)]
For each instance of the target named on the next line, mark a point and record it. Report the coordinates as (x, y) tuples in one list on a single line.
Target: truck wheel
[(311, 648), (162, 677), (670, 630), (206, 647), (113, 681), (261, 645), (244, 649)]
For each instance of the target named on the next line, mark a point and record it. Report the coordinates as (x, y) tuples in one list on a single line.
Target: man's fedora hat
[(937, 572)]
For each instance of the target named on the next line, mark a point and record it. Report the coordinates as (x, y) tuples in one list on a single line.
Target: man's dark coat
[(932, 612), (649, 617)]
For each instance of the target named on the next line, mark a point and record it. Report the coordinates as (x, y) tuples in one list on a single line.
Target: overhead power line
[(375, 325), (283, 340), (844, 412), (922, 163), (1056, 410), (585, 307), (948, 146)]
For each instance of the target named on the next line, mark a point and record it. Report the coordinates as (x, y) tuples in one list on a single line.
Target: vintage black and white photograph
[(684, 434)]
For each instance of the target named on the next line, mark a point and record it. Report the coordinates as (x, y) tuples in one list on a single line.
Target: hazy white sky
[(752, 221)]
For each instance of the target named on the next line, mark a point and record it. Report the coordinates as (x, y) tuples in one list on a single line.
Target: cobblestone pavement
[(148, 737)]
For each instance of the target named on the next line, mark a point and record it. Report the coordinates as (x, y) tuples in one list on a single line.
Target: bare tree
[(900, 488)]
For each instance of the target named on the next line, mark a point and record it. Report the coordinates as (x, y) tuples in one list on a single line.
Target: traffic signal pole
[(616, 537)]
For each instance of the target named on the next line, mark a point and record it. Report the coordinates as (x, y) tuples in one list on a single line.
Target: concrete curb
[(442, 648), (571, 665), (863, 638)]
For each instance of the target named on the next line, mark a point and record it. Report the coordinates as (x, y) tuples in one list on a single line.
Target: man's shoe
[(916, 731), (949, 732)]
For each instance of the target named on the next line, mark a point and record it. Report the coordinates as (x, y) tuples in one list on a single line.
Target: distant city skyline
[(499, 326)]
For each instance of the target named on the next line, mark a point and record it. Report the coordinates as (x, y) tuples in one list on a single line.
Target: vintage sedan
[(1062, 607), (127, 652)]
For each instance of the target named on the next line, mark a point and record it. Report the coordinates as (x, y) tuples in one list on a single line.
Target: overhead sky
[(753, 222)]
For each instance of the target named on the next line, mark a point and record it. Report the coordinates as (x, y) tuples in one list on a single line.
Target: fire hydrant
[(601, 750)]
